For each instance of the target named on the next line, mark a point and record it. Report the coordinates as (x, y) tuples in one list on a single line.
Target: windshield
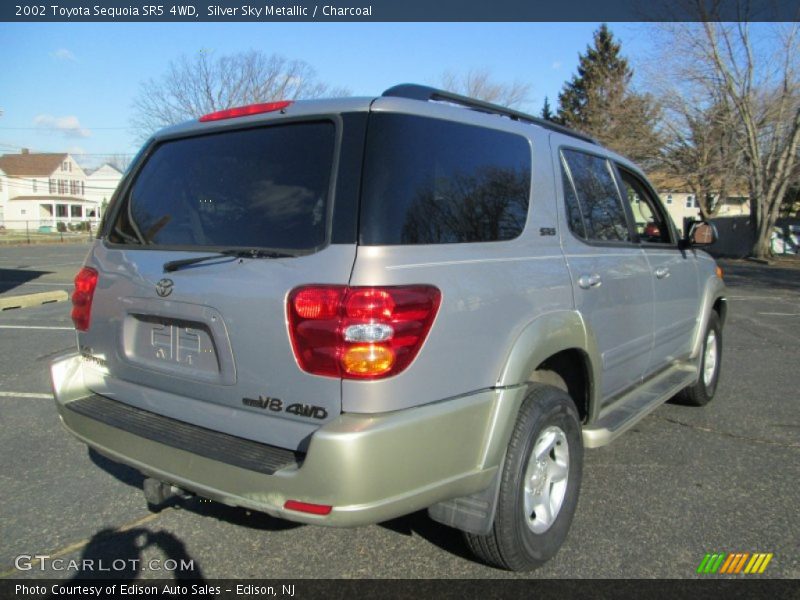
[(258, 188)]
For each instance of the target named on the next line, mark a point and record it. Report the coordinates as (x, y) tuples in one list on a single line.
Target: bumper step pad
[(246, 454)]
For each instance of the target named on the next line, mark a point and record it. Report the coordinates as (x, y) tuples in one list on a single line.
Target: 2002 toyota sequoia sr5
[(339, 312)]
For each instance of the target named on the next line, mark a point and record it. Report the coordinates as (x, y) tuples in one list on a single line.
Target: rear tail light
[(359, 332), (85, 284)]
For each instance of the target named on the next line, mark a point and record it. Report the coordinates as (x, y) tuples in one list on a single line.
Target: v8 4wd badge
[(276, 405)]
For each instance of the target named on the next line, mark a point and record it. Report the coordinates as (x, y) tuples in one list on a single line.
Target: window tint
[(265, 187), (648, 216), (598, 198), (428, 181)]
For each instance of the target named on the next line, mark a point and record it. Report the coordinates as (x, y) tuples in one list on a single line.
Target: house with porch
[(42, 189)]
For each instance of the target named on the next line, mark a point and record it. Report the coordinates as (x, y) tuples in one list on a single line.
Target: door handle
[(589, 281), (662, 272)]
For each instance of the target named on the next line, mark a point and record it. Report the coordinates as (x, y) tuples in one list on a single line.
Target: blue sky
[(70, 86)]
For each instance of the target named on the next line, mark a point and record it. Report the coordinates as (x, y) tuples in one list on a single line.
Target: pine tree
[(547, 112), (598, 100)]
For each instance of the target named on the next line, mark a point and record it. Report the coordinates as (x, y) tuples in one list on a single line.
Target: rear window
[(429, 181), (266, 187)]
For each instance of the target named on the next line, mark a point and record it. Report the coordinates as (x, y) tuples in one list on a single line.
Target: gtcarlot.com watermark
[(43, 562)]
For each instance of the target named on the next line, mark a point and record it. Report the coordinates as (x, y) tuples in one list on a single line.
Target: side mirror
[(701, 234)]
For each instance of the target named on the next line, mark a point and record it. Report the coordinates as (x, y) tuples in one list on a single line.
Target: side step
[(637, 404)]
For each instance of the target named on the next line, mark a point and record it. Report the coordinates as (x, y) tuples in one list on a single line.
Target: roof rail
[(426, 93)]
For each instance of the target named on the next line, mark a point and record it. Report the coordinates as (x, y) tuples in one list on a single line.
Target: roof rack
[(426, 93)]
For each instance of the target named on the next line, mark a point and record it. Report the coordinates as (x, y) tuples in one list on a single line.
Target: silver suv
[(339, 312)]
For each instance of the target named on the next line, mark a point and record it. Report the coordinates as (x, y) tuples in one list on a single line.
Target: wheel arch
[(557, 349)]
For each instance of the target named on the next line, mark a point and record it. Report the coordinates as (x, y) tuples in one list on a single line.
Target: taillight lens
[(85, 284), (359, 332)]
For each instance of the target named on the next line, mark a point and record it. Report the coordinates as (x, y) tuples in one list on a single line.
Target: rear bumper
[(369, 468)]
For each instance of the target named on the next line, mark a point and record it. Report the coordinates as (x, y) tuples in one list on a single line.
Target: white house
[(40, 190), (101, 183)]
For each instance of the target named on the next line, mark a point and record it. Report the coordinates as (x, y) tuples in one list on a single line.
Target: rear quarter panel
[(490, 292)]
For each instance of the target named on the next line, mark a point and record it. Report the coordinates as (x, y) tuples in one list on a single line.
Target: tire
[(548, 426), (702, 392)]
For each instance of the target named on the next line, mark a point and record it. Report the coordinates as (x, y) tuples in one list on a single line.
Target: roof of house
[(54, 199), (43, 163), (105, 167)]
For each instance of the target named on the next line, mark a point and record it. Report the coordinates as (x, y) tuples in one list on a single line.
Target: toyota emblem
[(164, 287)]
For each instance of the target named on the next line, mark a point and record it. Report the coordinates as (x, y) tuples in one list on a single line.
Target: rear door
[(673, 271), (207, 343), (610, 273)]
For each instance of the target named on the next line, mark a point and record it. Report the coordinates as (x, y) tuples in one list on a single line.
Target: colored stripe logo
[(734, 563)]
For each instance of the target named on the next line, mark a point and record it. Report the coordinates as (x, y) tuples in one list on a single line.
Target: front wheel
[(703, 391), (539, 484)]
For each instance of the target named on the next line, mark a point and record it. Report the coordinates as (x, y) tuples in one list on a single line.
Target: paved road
[(684, 482)]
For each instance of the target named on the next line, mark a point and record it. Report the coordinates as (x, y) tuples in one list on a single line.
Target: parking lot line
[(76, 546), (46, 327), (25, 395)]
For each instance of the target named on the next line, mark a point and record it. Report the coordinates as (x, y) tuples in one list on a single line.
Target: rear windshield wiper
[(174, 265)]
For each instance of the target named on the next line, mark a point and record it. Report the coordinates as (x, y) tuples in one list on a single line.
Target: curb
[(9, 302), (760, 261)]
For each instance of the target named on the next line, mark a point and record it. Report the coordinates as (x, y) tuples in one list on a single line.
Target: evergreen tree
[(598, 101), (547, 113)]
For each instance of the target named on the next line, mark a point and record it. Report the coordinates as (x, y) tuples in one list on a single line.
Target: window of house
[(61, 210), (669, 198), (595, 196), (51, 184), (64, 166), (34, 186), (83, 189), (689, 201), (62, 186), (76, 211)]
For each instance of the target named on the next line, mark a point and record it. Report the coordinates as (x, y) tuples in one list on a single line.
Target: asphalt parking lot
[(683, 483)]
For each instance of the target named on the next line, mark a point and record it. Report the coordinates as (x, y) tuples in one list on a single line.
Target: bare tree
[(759, 82), (478, 83), (700, 152), (119, 161), (202, 83)]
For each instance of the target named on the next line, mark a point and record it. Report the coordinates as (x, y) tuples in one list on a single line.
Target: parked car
[(339, 312)]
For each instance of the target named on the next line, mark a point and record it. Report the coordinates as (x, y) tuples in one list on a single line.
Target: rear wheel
[(703, 391), (539, 484)]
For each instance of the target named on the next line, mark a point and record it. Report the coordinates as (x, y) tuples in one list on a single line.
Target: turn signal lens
[(367, 360), (85, 284), (359, 332), (719, 272)]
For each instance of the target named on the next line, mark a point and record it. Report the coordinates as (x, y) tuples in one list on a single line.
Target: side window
[(574, 216), (430, 181), (651, 221), (598, 201)]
